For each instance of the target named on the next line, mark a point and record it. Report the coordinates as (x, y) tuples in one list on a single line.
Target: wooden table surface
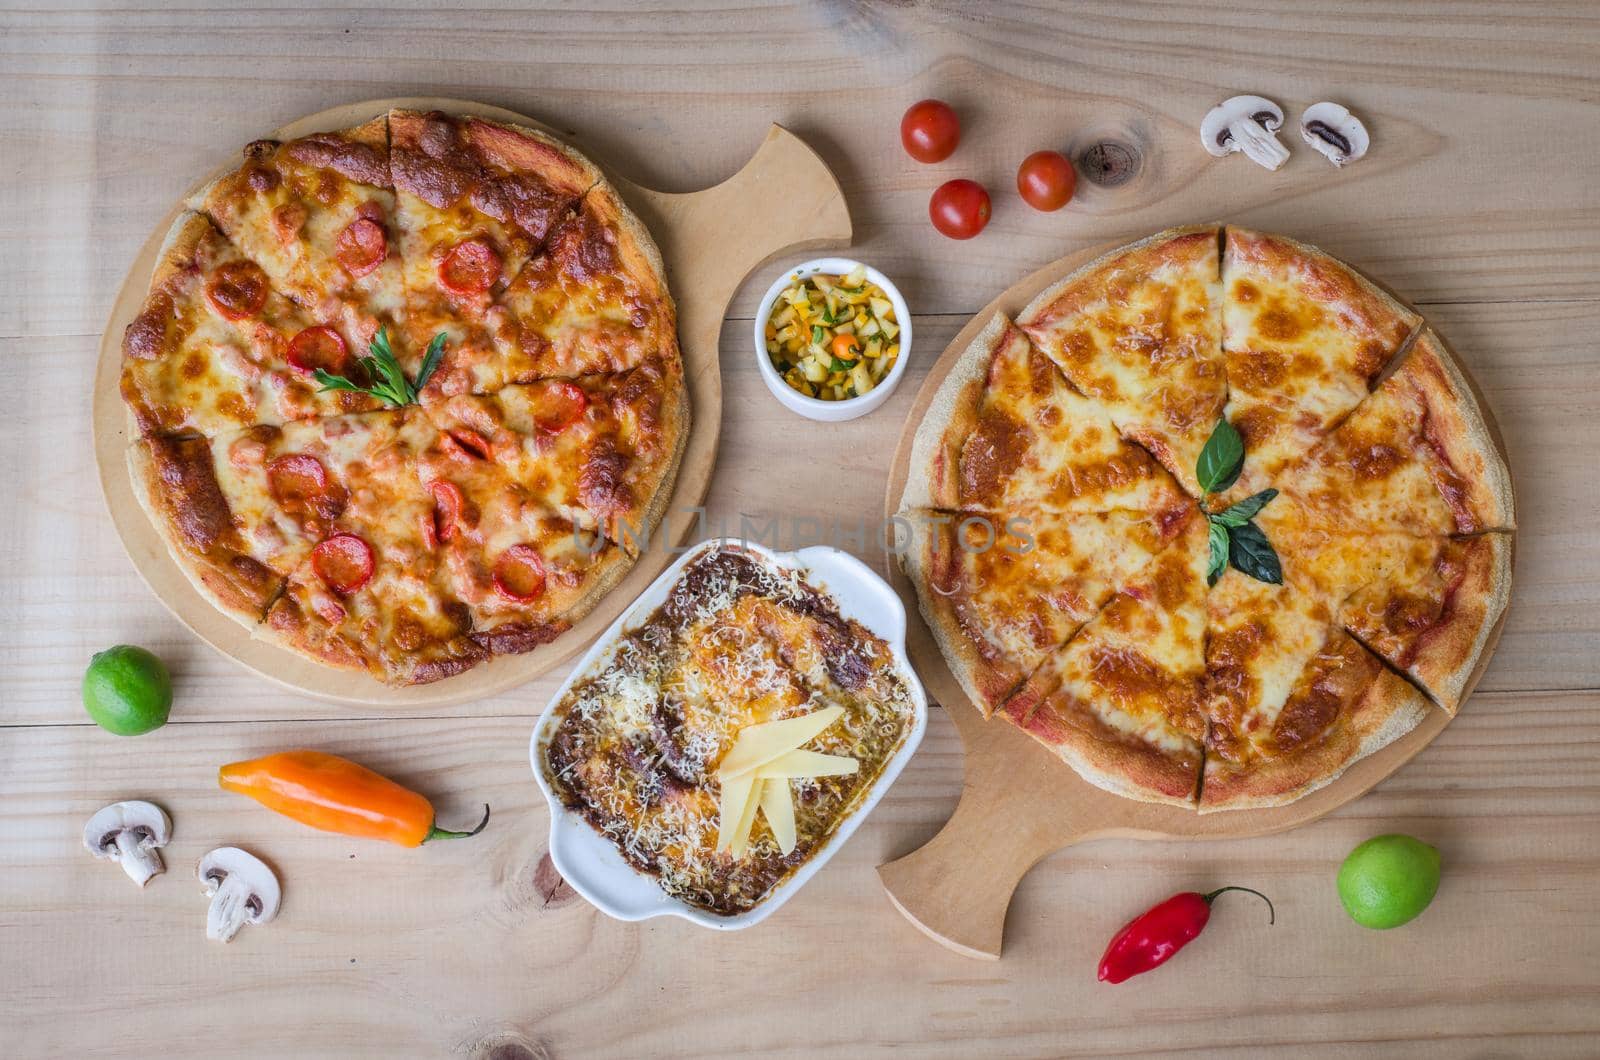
[(1479, 202)]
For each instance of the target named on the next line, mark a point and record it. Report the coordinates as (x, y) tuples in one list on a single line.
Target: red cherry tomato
[(519, 574), (470, 268), (568, 404), (343, 562), (318, 347), (1046, 180), (237, 290), (447, 505), (361, 247), (930, 131), (959, 208)]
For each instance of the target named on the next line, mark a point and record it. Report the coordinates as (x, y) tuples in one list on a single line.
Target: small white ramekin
[(815, 408), (591, 863)]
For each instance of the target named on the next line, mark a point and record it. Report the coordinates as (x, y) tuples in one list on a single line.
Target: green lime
[(1388, 880), (127, 690)]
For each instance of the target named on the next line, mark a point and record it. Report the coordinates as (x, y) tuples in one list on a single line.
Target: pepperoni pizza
[(1074, 557), (475, 489)]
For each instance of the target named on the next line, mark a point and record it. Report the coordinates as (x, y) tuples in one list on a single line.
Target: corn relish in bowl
[(832, 337)]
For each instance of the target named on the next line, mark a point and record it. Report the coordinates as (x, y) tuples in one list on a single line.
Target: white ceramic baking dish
[(594, 867)]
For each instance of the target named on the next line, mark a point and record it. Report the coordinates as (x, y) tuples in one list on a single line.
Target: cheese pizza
[(1215, 518), (408, 395)]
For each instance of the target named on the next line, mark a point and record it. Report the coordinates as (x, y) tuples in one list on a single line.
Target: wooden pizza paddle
[(784, 199), (1020, 803)]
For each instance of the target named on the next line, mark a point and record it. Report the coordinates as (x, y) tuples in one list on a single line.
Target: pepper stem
[(1272, 914), (439, 833)]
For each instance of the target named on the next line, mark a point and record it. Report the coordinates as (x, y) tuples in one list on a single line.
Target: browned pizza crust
[(1479, 490), (932, 562), (1348, 709), (934, 481), (176, 484), (1107, 758)]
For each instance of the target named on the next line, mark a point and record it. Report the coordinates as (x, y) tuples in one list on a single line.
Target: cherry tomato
[(1046, 180), (930, 131), (846, 347), (959, 208)]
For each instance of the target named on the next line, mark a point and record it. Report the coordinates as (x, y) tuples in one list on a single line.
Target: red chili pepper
[(1150, 940)]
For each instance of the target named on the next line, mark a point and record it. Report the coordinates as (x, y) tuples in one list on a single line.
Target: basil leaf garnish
[(1221, 459), (1245, 510), (1251, 553)]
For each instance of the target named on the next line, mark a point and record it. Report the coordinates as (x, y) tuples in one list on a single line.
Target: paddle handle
[(957, 887)]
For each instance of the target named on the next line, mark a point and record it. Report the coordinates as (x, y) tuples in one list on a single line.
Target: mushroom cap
[(1335, 132), (1214, 130), (226, 863), (150, 820)]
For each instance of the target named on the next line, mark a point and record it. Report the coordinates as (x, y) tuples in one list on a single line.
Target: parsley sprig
[(389, 382), (1234, 536)]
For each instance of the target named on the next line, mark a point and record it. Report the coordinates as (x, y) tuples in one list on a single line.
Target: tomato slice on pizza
[(1414, 457), (1121, 701), (1002, 593), (1140, 331), (1303, 337), (1008, 434), (317, 214), (210, 350)]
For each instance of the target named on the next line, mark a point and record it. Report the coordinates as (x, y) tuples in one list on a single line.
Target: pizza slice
[(1341, 706), (523, 570), (1121, 701), (368, 594), (1002, 593), (1140, 331), (475, 200), (1431, 607), (317, 214), (1303, 338), (216, 347), (1415, 457), (600, 451), (594, 300), (1007, 433)]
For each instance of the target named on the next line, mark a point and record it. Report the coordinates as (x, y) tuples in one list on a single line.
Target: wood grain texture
[(1478, 201)]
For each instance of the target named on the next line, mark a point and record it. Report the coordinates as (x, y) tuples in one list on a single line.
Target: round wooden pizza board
[(783, 199), (1020, 803)]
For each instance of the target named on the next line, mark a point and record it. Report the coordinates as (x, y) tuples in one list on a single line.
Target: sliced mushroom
[(242, 889), (130, 833), (1249, 124), (1335, 132)]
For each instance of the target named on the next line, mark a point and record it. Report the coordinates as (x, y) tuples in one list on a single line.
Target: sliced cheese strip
[(738, 794), (756, 745), (741, 834), (777, 805), (807, 764)]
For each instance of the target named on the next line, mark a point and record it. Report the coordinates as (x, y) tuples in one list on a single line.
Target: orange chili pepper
[(337, 795)]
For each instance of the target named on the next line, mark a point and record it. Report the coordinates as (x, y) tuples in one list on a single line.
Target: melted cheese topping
[(1141, 334)]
